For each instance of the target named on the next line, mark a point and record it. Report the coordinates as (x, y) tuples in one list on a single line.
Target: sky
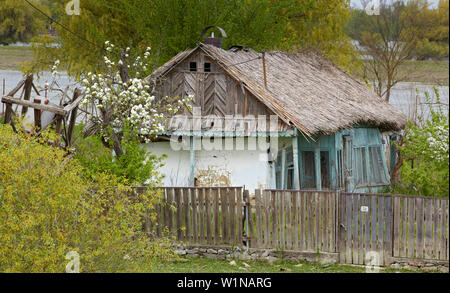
[(357, 3)]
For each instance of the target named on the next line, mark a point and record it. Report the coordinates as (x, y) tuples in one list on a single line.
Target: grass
[(428, 72), (205, 265), (11, 57)]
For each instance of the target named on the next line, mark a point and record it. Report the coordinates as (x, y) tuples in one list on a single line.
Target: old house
[(322, 127)]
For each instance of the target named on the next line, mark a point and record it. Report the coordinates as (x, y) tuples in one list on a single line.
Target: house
[(272, 120)]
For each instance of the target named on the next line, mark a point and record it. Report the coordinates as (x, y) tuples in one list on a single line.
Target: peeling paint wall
[(216, 167)]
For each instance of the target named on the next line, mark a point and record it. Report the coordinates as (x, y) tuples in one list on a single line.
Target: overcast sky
[(357, 3)]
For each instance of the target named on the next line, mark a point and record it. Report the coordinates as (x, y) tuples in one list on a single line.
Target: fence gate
[(365, 225)]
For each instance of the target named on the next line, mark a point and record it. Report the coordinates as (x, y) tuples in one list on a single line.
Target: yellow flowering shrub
[(48, 209)]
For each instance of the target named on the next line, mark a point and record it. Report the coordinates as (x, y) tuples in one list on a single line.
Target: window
[(325, 169), (278, 173), (340, 170), (308, 170), (192, 66), (207, 67), (360, 166), (377, 171), (289, 169), (369, 160)]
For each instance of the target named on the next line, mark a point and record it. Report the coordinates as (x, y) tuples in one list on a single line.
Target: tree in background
[(19, 22), (388, 42), (431, 28), (171, 26)]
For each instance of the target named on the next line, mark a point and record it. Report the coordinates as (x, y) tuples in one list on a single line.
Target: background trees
[(171, 26), (19, 22)]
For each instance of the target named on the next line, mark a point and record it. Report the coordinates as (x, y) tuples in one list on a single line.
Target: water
[(410, 98)]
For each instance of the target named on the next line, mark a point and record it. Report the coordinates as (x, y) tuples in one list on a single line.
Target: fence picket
[(325, 221)]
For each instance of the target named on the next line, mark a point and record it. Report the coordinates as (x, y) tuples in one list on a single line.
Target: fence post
[(247, 218), (340, 226)]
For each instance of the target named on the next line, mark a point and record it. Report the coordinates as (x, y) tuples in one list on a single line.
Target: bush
[(47, 209), (425, 152), (136, 166)]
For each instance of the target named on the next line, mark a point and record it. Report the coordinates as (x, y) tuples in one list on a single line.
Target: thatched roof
[(303, 88)]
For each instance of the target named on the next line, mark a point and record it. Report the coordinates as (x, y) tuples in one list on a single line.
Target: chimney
[(212, 40)]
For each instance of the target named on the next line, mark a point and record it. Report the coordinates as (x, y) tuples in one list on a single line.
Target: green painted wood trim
[(295, 158), (192, 162), (317, 166)]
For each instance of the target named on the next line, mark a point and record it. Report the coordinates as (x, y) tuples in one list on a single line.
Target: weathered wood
[(201, 213), (37, 117), (8, 113), (187, 227), (282, 218), (240, 214), (366, 228), (388, 229), (27, 92), (420, 227), (411, 227), (216, 217), (170, 207), (194, 209), (232, 214), (436, 204), (348, 224), (209, 198), (178, 199), (428, 226), (251, 232), (258, 216), (373, 223), (225, 215), (355, 234), (381, 227), (397, 225), (274, 220), (267, 236), (403, 243), (73, 115), (48, 108), (295, 216), (341, 227)]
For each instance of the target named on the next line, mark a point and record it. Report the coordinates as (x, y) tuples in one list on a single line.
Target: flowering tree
[(425, 152), (119, 99)]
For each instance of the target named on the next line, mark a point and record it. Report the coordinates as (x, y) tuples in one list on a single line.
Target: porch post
[(317, 165), (192, 161), (295, 158)]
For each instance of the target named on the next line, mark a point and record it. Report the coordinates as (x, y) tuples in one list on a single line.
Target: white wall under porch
[(216, 167)]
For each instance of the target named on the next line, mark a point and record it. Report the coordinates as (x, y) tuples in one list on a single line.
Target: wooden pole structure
[(37, 116), (28, 86), (264, 68), (73, 115)]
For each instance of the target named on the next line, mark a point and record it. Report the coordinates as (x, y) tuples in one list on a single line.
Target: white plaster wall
[(236, 167), (176, 170)]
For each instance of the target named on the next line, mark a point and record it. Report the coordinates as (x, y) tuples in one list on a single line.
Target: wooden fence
[(197, 215), (392, 226), (294, 220), (358, 227)]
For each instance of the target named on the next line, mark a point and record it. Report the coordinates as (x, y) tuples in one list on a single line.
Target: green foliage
[(171, 26), (429, 25), (136, 166), (19, 22), (425, 149), (49, 209)]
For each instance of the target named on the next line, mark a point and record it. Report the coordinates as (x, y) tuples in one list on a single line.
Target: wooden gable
[(215, 92)]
